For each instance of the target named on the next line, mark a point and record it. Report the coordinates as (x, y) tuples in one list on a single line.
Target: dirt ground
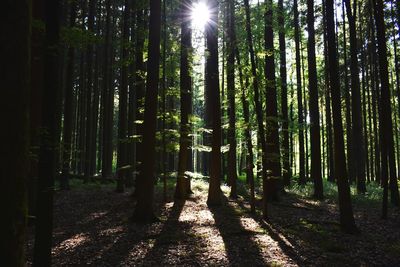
[(92, 227)]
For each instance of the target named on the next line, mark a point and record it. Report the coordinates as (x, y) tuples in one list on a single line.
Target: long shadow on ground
[(241, 248)]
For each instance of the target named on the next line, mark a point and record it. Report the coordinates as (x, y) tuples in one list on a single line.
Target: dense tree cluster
[(130, 92)]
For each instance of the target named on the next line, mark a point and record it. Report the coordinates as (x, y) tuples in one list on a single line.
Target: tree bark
[(14, 104)]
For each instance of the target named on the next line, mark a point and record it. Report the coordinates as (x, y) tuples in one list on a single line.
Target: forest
[(200, 133)]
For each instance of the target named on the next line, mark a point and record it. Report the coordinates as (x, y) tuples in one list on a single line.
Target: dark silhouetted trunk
[(230, 72), (387, 143), (214, 104), (314, 107), (186, 99), (14, 105), (68, 106), (287, 173), (272, 185), (302, 178), (145, 181), (345, 206), (50, 140), (358, 130)]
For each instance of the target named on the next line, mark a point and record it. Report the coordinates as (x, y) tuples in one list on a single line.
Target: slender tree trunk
[(186, 98), (89, 96), (212, 86), (349, 132), (345, 206), (230, 72), (302, 178), (314, 107), (257, 99), (284, 98), (272, 134), (67, 129), (123, 104), (247, 131), (108, 100), (387, 127), (358, 134)]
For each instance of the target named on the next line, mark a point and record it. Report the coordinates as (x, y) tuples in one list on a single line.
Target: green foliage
[(372, 196)]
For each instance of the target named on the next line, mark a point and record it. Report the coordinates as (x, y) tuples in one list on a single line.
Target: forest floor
[(92, 227)]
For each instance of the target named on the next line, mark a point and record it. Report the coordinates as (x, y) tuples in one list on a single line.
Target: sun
[(200, 15)]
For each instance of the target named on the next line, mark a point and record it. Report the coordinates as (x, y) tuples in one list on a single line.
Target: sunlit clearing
[(200, 15)]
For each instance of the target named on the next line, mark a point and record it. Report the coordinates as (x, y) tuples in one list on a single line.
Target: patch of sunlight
[(112, 231), (270, 242), (72, 242)]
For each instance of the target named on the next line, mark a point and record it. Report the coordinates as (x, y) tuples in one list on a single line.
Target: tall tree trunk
[(329, 132), (49, 144), (358, 134), (272, 134), (141, 21), (349, 132), (302, 178), (145, 182), (314, 107), (257, 99), (284, 98), (345, 206), (186, 99), (212, 86), (89, 96), (387, 143), (108, 100), (123, 104), (230, 72), (68, 105), (247, 131), (14, 104)]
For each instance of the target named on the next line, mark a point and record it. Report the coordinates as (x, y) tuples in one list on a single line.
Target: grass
[(372, 196)]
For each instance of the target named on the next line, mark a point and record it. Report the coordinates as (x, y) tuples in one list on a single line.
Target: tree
[(257, 100), (358, 135), (107, 97), (302, 178), (347, 223), (123, 104), (230, 70), (15, 76), (68, 108), (273, 164), (212, 86), (145, 181), (387, 144), (284, 98), (314, 108), (89, 97), (186, 98), (50, 138)]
